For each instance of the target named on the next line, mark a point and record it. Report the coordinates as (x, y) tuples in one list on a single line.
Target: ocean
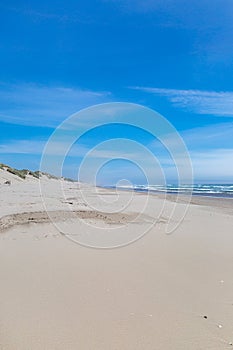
[(210, 190)]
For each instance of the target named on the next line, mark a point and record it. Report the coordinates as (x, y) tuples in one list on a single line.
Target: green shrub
[(16, 172)]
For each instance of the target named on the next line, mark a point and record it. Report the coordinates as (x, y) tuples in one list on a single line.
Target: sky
[(172, 56)]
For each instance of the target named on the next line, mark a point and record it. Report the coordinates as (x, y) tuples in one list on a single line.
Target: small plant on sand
[(19, 173)]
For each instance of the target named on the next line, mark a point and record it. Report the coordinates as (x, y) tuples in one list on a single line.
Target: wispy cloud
[(205, 138), (209, 137), (108, 150), (38, 105), (210, 150), (213, 165), (172, 12), (209, 166), (197, 101), (38, 146), (38, 15), (137, 5)]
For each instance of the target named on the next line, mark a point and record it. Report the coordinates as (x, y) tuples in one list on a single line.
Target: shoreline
[(20, 213), (196, 199), (154, 192)]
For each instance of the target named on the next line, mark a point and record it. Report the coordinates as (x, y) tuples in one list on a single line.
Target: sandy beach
[(160, 292)]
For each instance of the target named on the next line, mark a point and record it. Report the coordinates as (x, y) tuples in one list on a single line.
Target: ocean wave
[(224, 190)]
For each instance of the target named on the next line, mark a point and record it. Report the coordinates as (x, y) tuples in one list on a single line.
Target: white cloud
[(31, 104), (22, 147), (210, 148), (197, 101), (213, 165), (209, 137), (137, 5), (37, 147), (205, 137), (39, 15)]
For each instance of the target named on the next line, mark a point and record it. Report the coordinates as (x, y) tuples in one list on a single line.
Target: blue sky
[(174, 56)]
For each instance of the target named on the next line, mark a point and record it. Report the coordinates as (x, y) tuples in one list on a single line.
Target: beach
[(154, 291)]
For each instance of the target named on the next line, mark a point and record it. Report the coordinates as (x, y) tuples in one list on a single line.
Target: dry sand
[(160, 292)]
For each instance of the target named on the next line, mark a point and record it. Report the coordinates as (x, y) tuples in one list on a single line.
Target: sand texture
[(164, 291)]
